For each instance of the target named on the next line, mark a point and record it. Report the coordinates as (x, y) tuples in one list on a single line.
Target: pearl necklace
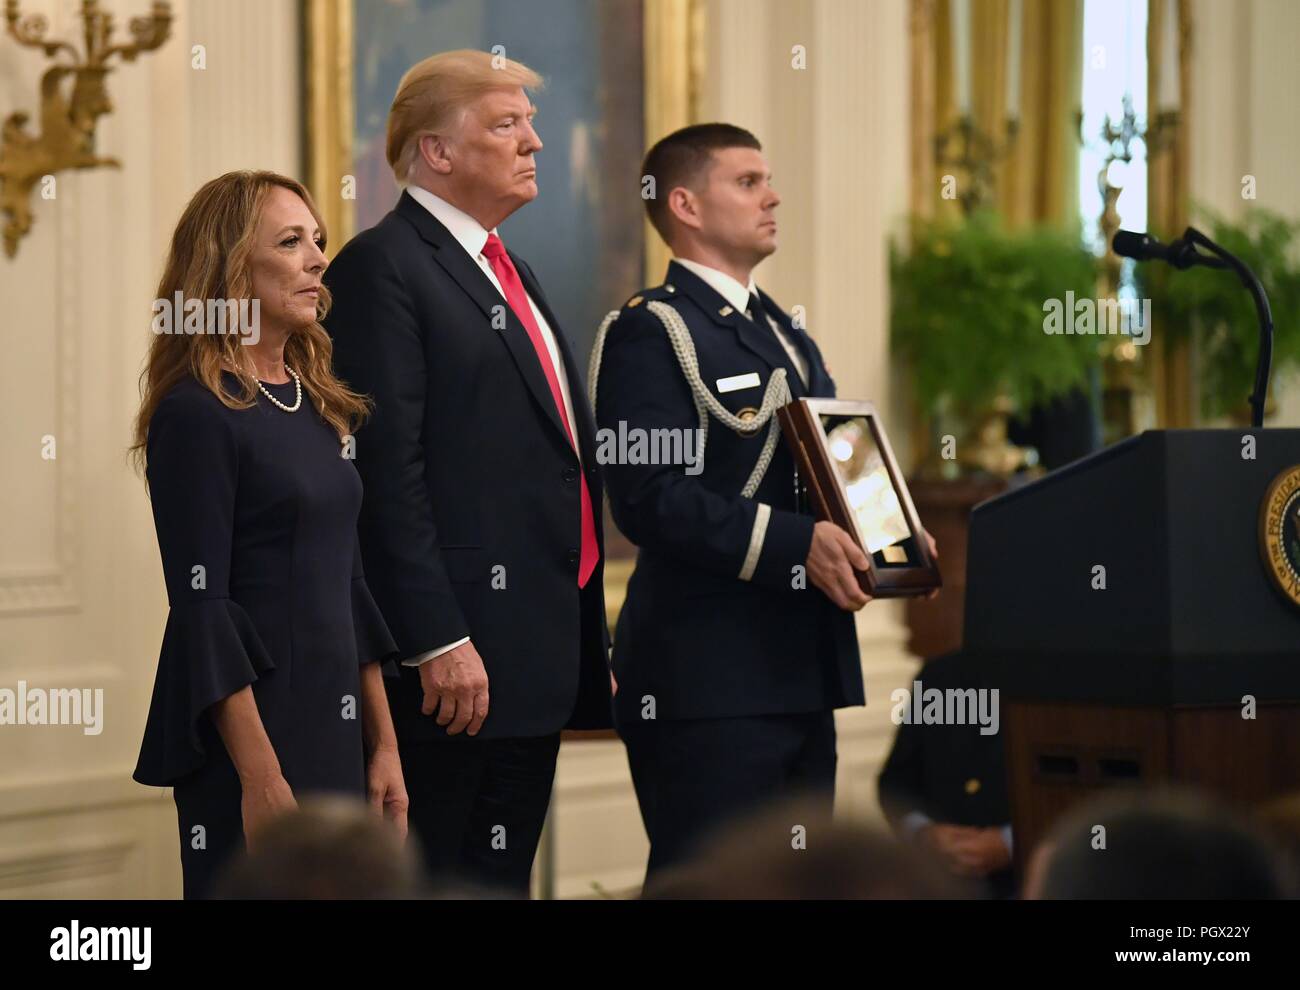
[(297, 384)]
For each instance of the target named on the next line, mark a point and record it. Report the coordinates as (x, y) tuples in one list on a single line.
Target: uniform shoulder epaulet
[(661, 293)]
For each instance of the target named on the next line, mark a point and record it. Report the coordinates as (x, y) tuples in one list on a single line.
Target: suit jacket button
[(570, 474), (574, 556)]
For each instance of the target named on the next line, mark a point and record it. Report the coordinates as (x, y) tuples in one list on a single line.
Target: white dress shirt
[(471, 235), (738, 295)]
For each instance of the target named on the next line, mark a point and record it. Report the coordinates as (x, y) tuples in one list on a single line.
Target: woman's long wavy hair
[(208, 259)]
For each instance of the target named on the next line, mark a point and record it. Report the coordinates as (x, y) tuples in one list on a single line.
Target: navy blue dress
[(256, 514)]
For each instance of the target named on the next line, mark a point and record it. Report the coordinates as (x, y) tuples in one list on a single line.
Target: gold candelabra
[(1128, 399), (68, 120), (1118, 138)]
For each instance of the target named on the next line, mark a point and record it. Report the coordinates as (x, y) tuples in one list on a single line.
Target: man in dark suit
[(479, 529), (736, 642)]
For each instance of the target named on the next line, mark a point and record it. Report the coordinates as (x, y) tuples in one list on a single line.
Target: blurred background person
[(944, 786)]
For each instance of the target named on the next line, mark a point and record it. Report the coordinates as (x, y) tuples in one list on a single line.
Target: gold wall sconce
[(68, 115)]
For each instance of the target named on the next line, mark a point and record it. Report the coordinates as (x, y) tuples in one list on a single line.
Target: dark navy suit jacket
[(471, 521)]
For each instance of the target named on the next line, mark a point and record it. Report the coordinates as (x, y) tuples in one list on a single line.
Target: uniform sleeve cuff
[(778, 542), (913, 822), (756, 537)]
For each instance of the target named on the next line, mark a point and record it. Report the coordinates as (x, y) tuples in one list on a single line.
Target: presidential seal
[(1279, 532)]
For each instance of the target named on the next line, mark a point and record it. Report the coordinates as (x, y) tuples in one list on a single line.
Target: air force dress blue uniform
[(729, 662)]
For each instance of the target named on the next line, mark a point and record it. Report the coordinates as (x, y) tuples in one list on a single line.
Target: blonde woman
[(268, 683)]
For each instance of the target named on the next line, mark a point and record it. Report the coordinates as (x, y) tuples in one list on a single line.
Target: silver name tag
[(736, 382)]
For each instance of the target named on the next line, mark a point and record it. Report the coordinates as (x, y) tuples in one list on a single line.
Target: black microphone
[(1181, 253), (1140, 247)]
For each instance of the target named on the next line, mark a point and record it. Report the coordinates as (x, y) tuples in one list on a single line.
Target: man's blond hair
[(434, 92)]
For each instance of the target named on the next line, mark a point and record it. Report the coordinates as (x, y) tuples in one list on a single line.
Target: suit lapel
[(585, 428), (466, 273)]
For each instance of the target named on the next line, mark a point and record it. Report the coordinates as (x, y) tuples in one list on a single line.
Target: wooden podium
[(1122, 607)]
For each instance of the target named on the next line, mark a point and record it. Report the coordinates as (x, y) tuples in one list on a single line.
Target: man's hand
[(967, 850), (456, 685), (934, 552), (831, 562), (934, 547)]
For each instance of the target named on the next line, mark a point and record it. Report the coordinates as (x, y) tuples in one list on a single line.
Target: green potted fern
[(969, 304)]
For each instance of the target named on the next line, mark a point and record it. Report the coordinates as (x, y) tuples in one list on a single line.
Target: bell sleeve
[(374, 641), (211, 648)]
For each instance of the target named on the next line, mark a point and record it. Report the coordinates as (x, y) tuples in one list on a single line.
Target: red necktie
[(504, 268)]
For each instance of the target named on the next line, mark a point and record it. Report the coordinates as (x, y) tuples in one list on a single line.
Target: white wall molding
[(37, 867)]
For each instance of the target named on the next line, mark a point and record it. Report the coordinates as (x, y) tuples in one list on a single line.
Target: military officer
[(736, 641)]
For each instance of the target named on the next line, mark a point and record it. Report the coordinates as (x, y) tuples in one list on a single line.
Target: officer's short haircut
[(683, 158)]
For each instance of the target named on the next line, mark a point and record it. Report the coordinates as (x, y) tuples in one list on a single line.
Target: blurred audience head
[(1155, 845), (331, 848), (1280, 818), (795, 851)]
